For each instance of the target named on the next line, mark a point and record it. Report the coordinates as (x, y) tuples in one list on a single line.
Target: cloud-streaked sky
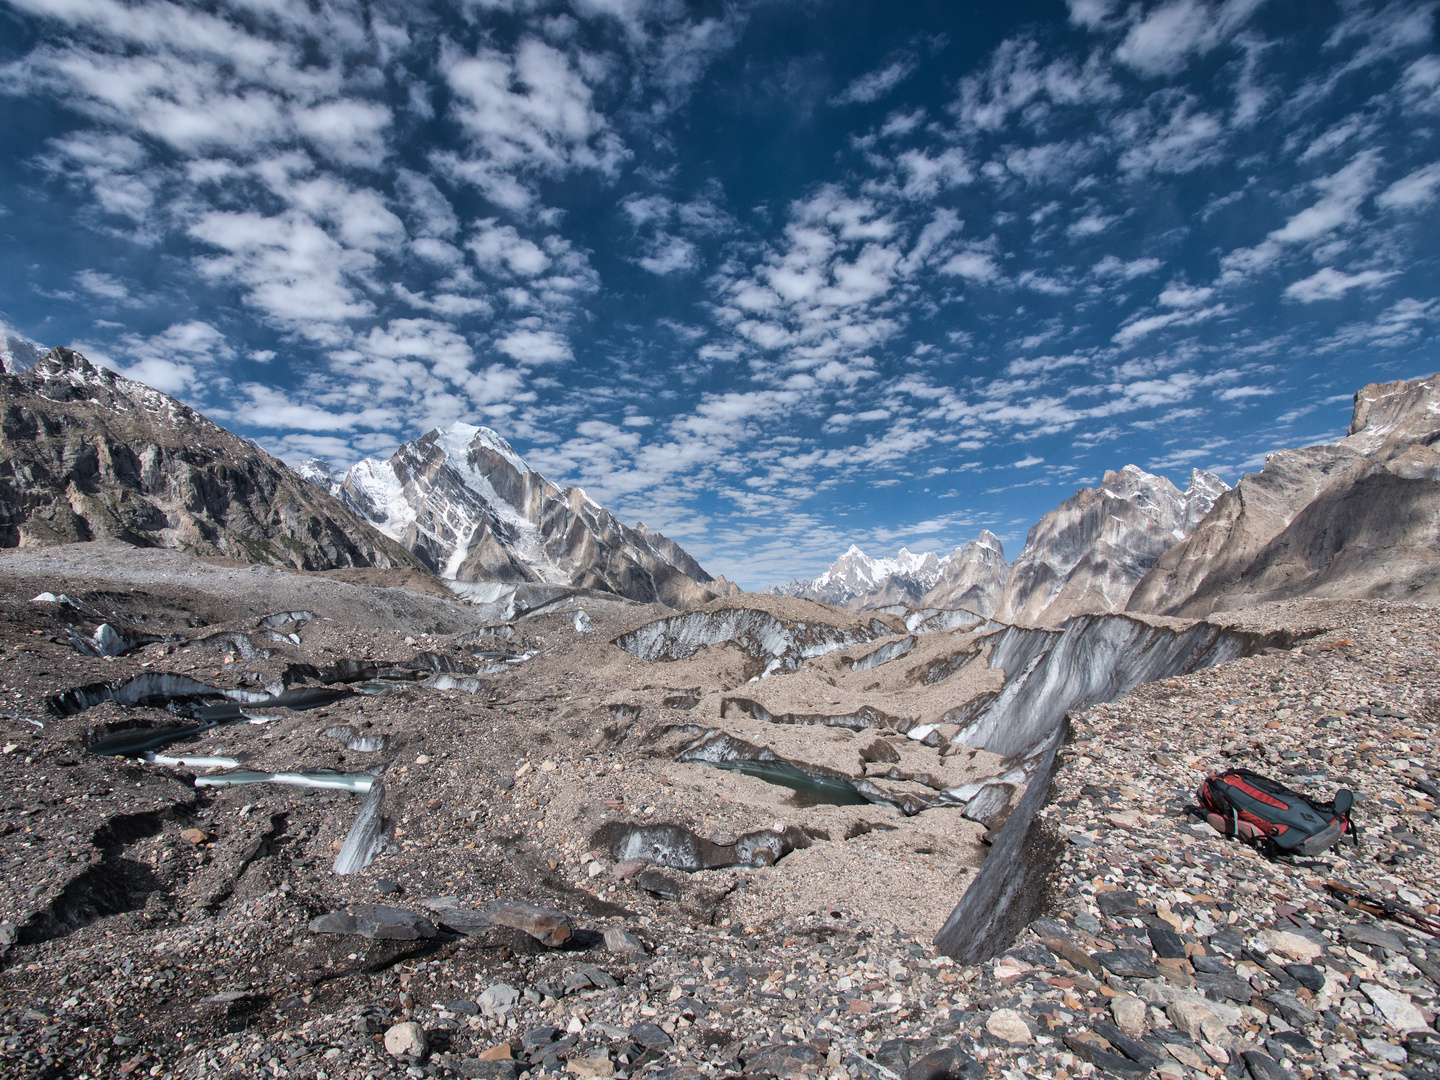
[(773, 277)]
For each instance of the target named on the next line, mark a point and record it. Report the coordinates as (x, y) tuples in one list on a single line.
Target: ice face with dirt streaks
[(1092, 658), (760, 634)]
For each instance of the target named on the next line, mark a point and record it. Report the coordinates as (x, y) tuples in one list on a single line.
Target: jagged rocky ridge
[(86, 453), (470, 508), (1088, 553), (1353, 518)]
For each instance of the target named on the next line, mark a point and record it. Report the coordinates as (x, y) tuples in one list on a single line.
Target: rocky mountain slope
[(1354, 518), (1088, 554), (470, 508), (1085, 556), (973, 577), (85, 453)]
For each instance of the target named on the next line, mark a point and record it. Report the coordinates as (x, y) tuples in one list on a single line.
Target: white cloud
[(1338, 208), (500, 249), (1344, 192), (1177, 295), (1091, 224), (292, 269), (1112, 267), (670, 255), (101, 284), (973, 266), (529, 113), (535, 347), (1162, 42), (1240, 393), (874, 85), (1138, 327), (1399, 324), (1331, 284), (1172, 134), (926, 176), (1090, 14), (1411, 191), (1018, 77)]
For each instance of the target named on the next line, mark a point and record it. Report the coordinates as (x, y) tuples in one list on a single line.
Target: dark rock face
[(85, 454), (471, 509), (1350, 519)]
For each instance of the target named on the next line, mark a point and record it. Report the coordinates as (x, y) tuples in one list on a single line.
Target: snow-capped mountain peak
[(472, 509)]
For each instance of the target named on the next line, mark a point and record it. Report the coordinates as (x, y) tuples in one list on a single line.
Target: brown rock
[(1072, 953), (546, 925)]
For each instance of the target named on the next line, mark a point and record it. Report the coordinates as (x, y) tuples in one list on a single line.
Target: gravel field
[(155, 928)]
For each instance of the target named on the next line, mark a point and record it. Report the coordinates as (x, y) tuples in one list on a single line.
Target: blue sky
[(773, 277)]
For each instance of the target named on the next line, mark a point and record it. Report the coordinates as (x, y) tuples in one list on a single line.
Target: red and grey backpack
[(1243, 804)]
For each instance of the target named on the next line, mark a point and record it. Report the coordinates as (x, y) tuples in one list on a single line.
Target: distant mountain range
[(1354, 518), (469, 507), (1086, 555), (86, 453)]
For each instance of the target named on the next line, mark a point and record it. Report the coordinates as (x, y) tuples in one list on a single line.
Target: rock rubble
[(151, 928)]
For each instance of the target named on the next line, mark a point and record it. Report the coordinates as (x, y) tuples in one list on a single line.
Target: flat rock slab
[(1399, 1011), (1128, 963), (1373, 935), (546, 925), (1105, 1061), (376, 922), (1119, 902)]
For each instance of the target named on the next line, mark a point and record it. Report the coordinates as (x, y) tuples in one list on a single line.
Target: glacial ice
[(1092, 658), (781, 646), (863, 718), (325, 779), (891, 650), (929, 620), (369, 837)]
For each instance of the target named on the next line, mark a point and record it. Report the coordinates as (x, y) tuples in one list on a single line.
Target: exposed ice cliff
[(774, 645), (472, 510), (1091, 659)]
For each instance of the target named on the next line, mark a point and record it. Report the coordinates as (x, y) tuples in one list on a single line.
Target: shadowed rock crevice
[(110, 886)]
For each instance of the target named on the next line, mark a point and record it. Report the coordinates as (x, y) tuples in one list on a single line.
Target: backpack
[(1243, 804)]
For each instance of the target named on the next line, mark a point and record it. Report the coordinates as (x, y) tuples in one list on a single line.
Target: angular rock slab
[(1399, 1011), (376, 922)]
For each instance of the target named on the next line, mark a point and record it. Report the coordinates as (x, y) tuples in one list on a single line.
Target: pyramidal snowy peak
[(471, 509)]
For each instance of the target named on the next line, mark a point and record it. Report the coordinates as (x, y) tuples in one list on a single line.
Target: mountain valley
[(318, 812)]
